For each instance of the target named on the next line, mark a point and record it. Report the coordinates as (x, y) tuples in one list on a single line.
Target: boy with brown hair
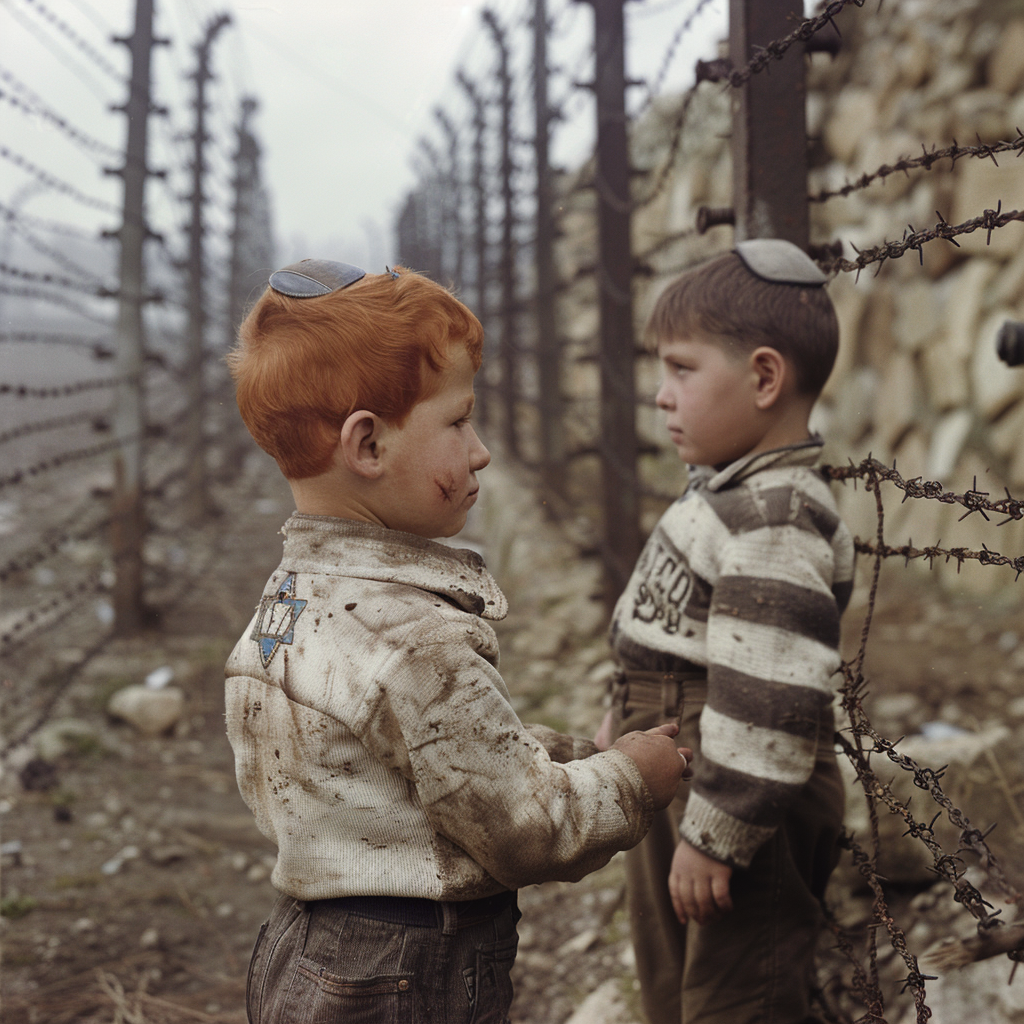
[(374, 739), (729, 626)]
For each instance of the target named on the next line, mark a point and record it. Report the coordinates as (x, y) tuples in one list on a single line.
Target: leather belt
[(670, 690), (424, 913)]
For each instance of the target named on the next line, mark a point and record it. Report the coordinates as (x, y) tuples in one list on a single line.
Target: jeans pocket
[(249, 1008), (491, 984), (318, 995)]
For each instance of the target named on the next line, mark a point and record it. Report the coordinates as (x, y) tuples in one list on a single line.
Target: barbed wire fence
[(578, 198), (63, 382)]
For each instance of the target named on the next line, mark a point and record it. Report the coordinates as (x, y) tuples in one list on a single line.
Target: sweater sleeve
[(438, 712), (772, 642)]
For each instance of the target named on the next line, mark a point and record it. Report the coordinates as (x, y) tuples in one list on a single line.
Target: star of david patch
[(275, 621)]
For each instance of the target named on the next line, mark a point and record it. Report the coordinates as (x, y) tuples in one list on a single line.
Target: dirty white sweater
[(374, 739)]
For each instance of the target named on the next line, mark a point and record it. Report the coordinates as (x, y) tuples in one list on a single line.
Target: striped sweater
[(746, 574)]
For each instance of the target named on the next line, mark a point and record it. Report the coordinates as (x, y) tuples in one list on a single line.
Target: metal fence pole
[(552, 438), (507, 265), (197, 499), (769, 135), (618, 440), (128, 510)]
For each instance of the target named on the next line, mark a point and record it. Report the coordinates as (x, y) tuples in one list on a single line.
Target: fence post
[(197, 499), (769, 133), (479, 189), (552, 439), (451, 204), (252, 245), (618, 443), (507, 263), (128, 512)]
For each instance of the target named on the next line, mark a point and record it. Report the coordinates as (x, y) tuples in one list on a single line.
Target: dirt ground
[(135, 882)]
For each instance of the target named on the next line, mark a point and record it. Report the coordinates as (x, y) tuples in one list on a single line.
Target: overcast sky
[(346, 90)]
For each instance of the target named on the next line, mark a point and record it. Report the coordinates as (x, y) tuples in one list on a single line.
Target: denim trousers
[(320, 962), (755, 964)]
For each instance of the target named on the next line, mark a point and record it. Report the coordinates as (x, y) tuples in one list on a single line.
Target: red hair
[(302, 366)]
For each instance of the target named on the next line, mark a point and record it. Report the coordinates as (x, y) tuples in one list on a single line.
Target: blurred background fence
[(863, 133), (115, 405)]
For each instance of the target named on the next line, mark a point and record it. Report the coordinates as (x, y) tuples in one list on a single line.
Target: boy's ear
[(772, 373), (359, 448)]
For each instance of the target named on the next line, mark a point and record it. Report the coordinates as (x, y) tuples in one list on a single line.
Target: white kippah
[(781, 262)]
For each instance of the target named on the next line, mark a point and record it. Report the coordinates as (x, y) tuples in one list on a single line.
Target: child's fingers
[(677, 899), (720, 894), (668, 729)]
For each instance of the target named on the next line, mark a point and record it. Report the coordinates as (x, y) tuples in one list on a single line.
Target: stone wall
[(918, 379)]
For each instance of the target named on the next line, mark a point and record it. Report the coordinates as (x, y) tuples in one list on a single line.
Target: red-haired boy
[(373, 736)]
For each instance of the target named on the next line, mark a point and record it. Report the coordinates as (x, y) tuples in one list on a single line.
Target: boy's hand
[(698, 885), (660, 762)]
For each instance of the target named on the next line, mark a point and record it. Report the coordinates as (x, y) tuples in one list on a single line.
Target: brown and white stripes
[(748, 575)]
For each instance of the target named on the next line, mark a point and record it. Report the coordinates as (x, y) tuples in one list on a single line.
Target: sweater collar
[(802, 453), (349, 547)]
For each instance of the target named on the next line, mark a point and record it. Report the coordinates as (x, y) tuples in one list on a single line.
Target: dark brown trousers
[(754, 965)]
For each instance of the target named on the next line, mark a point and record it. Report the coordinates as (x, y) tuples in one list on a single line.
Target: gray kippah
[(781, 262), (311, 278)]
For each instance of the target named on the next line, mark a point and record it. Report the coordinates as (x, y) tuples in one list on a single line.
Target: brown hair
[(723, 300), (302, 366)]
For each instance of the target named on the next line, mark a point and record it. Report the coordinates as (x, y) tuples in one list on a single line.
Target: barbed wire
[(51, 43), (654, 87), (865, 740), (870, 470), (64, 187), (12, 219), (98, 423), (914, 240), (44, 277), (95, 345), (39, 617), (50, 546), (55, 298), (927, 160), (38, 108), (675, 140), (776, 49), (908, 553), (56, 461), (69, 33), (58, 227), (63, 390)]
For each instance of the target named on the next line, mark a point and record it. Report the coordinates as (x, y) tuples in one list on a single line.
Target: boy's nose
[(479, 456), (663, 399)]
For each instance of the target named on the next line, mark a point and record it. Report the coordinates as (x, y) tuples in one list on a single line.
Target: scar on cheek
[(447, 489)]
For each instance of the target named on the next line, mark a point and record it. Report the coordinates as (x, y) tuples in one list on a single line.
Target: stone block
[(150, 711), (918, 318), (849, 301), (852, 405), (1006, 436), (898, 399), (1004, 69), (855, 113), (995, 386), (945, 376), (876, 342), (965, 297), (947, 443), (1008, 287), (980, 186), (980, 112)]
